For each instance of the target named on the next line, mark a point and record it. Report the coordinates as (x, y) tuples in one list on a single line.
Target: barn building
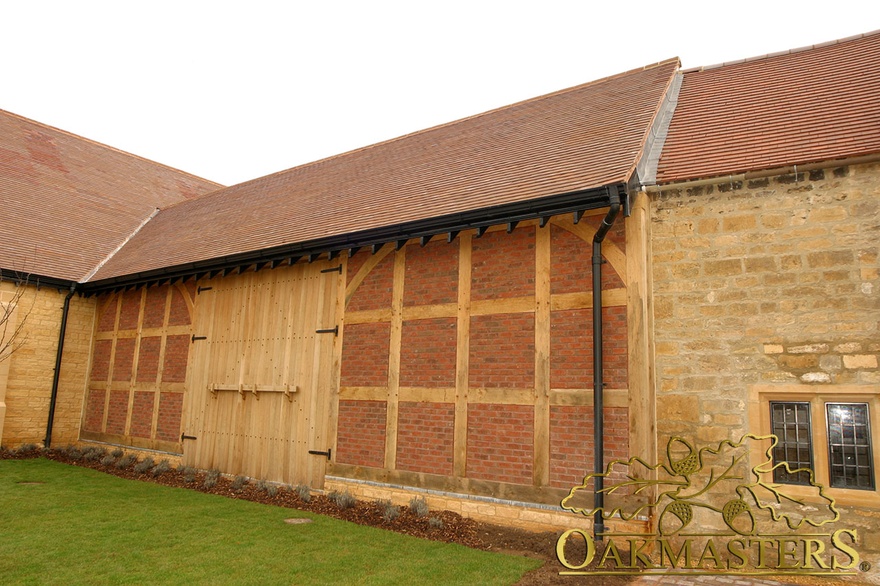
[(424, 315)]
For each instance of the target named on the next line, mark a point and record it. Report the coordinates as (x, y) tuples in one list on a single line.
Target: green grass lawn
[(62, 524)]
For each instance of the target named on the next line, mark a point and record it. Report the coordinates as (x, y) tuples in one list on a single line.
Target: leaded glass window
[(849, 445), (791, 426)]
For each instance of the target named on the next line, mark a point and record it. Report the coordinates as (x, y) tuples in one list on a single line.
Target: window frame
[(760, 397)]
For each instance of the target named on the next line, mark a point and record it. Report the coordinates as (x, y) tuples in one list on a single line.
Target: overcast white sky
[(231, 91)]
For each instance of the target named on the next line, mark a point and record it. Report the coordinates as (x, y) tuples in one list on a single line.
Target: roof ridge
[(457, 121), (106, 146), (781, 53)]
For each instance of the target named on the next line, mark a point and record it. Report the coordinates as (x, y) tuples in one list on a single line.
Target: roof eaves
[(593, 198)]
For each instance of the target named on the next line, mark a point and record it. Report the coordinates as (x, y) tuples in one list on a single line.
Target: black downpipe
[(598, 366), (47, 442)]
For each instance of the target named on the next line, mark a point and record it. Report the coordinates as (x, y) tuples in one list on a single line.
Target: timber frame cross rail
[(254, 389)]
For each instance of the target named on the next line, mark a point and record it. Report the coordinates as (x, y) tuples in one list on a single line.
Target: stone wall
[(772, 281), (29, 371)]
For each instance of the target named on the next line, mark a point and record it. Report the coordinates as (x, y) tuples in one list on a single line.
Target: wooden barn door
[(261, 384)]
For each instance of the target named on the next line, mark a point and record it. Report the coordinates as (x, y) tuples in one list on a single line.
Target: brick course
[(375, 290), (131, 307), (124, 359), (154, 307), (176, 355), (431, 275), (107, 314), (571, 348), (361, 436), (142, 414), (94, 419), (148, 359), (427, 353), (101, 360), (179, 314), (424, 437), (170, 409), (365, 354), (117, 412), (503, 264), (571, 265), (571, 441), (502, 351), (501, 442)]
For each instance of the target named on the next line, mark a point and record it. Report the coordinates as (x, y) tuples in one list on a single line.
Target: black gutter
[(598, 366), (577, 201), (35, 280), (47, 442)]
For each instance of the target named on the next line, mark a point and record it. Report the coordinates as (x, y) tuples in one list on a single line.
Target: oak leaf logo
[(687, 479)]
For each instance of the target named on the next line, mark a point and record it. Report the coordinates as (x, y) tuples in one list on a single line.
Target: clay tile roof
[(68, 202), (807, 105), (584, 137)]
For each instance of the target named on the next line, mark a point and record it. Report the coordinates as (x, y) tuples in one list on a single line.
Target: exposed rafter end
[(481, 230), (332, 254), (401, 244), (215, 273), (353, 251), (451, 236), (424, 240), (314, 256), (543, 221), (377, 247), (578, 215), (230, 270), (511, 226)]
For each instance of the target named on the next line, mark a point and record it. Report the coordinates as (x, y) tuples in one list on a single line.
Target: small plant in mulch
[(27, 450), (144, 465), (117, 453), (239, 482), (267, 487), (419, 506), (343, 500), (304, 492), (126, 461), (72, 452), (94, 454), (435, 523), (211, 479), (108, 460), (390, 511), (161, 468), (189, 474)]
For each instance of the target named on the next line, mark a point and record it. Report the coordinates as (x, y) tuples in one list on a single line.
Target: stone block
[(860, 361), (848, 347), (798, 361), (816, 377), (723, 268), (830, 363), (819, 348)]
